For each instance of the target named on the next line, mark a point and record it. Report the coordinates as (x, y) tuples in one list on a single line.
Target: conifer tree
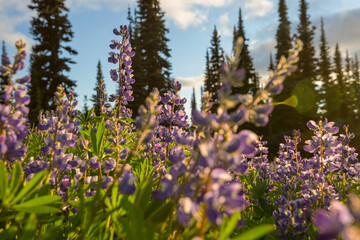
[(298, 98), (151, 62), (343, 114), (95, 97), (251, 80), (193, 101), (212, 80), (283, 40), (328, 92), (52, 32), (306, 66), (271, 66), (4, 79), (86, 107)]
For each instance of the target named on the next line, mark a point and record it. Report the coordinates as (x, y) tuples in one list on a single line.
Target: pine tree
[(212, 71), (52, 32), (283, 40), (251, 78), (95, 97), (151, 62)]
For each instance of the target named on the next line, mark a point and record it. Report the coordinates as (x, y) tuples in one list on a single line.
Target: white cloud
[(190, 12), (12, 14), (190, 82), (225, 25), (257, 8), (114, 5)]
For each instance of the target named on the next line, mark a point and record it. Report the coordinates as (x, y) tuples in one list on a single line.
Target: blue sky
[(191, 23)]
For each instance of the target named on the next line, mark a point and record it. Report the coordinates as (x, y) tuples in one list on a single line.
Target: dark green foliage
[(271, 64), (193, 100), (251, 80), (4, 79), (151, 62), (328, 92), (86, 107), (52, 32), (344, 112), (298, 98), (94, 97), (283, 40), (213, 67)]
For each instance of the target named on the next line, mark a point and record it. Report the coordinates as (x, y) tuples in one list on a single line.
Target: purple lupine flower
[(93, 163)]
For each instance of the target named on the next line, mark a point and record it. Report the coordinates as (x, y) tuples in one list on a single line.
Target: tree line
[(323, 86)]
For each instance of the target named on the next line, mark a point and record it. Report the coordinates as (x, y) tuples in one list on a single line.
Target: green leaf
[(15, 178), (93, 140), (40, 210), (30, 228), (3, 181), (36, 202), (228, 226), (29, 187), (256, 232), (100, 136)]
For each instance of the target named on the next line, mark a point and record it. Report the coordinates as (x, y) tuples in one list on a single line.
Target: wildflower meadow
[(163, 175)]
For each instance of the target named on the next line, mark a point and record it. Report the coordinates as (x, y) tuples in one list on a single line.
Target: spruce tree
[(212, 71), (251, 78), (193, 101), (271, 66), (95, 97), (86, 107), (328, 91), (151, 62), (343, 115), (4, 79), (298, 98), (52, 32), (283, 40)]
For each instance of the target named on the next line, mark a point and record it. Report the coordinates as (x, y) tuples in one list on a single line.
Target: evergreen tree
[(344, 112), (86, 107), (328, 91), (356, 69), (283, 40), (4, 79), (298, 98), (151, 62), (251, 80), (95, 97), (52, 32), (193, 101), (213, 67), (271, 64), (306, 66)]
